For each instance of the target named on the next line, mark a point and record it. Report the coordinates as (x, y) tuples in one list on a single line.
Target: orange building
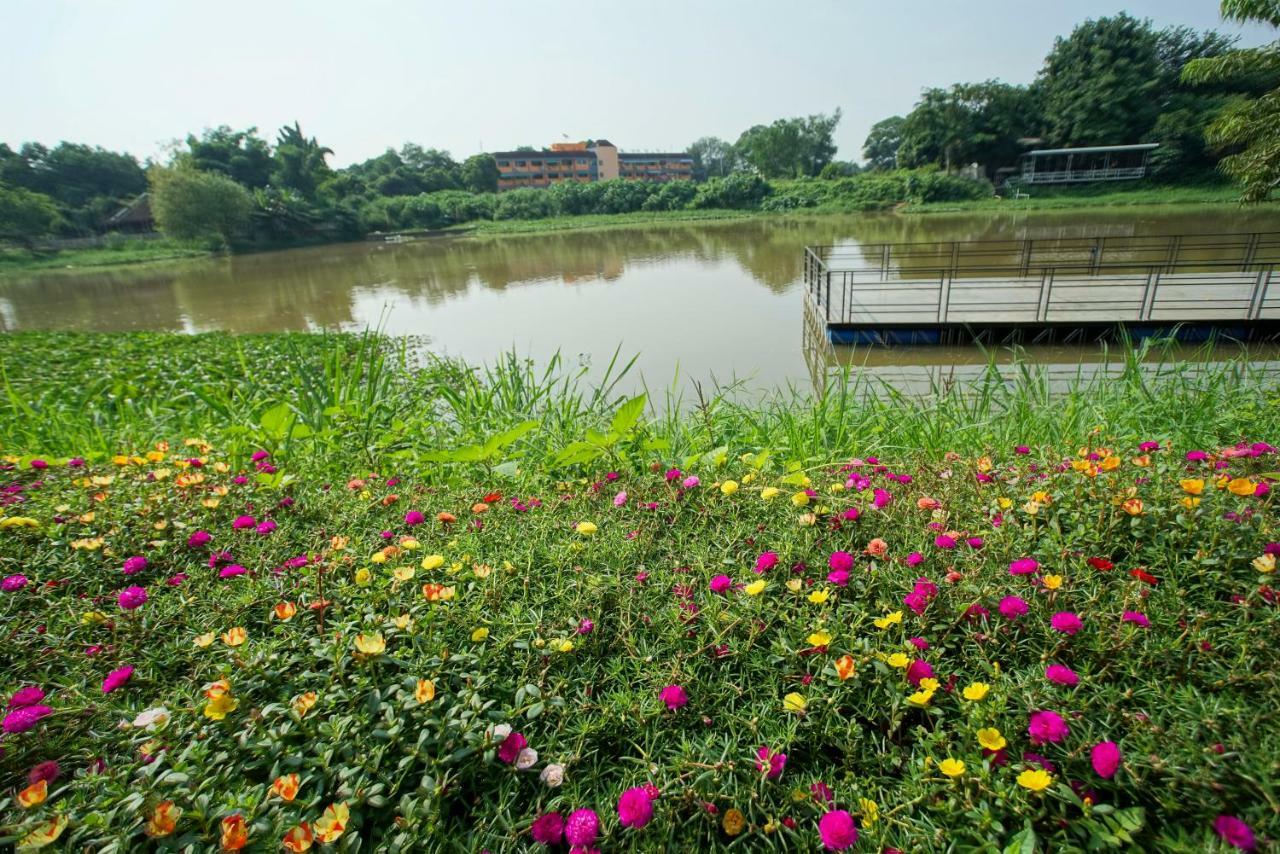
[(585, 162)]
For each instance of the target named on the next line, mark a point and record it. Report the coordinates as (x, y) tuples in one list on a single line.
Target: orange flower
[(235, 636), (303, 704), (436, 592), (164, 819), (234, 833), (286, 788), (844, 667), (33, 795), (446, 518), (1133, 506), (299, 838), (1192, 485), (877, 548), (284, 611), (480, 507), (388, 500), (1109, 464), (425, 692), (333, 823), (1242, 486)]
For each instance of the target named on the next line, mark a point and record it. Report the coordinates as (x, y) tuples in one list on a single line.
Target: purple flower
[(1234, 832), (259, 456), (132, 597), (13, 583), (585, 626), (116, 678), (39, 465)]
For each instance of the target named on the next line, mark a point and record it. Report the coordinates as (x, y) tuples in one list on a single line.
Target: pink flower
[(1061, 675), (511, 747), (116, 678), (548, 828), (1023, 566), (837, 830), (259, 456), (28, 695), (635, 808), (1106, 758), (1066, 622), (243, 522), (585, 626), (690, 482), (1047, 727), (838, 577), (132, 597), (1012, 607), (231, 571), (1022, 449), (1135, 617), (673, 696), (39, 465), (414, 517), (21, 720), (13, 583), (620, 499), (879, 499), (915, 559), (582, 827), (942, 541), (917, 670), (266, 526), (721, 583), (840, 561), (134, 564), (47, 771), (1234, 832), (766, 562), (198, 539), (771, 763)]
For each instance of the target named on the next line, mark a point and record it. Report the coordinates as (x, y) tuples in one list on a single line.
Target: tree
[(299, 161), (881, 148), (1249, 128), (26, 216), (712, 158), (790, 148), (968, 123), (73, 174), (189, 204), (239, 154), (480, 173), (1101, 84)]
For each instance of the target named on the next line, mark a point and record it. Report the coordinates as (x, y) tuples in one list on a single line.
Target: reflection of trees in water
[(138, 299)]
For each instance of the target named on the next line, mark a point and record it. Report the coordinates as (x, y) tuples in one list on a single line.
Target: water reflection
[(717, 299)]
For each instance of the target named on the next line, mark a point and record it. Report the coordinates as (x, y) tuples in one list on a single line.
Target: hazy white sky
[(467, 74)]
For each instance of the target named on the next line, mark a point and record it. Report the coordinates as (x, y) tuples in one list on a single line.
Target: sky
[(471, 75)]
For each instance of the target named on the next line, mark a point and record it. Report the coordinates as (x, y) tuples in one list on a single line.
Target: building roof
[(605, 142), (137, 212), (644, 155), (1096, 149), (545, 155)]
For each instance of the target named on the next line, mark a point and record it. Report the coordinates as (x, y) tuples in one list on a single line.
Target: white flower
[(152, 719), (552, 775), (500, 732), (526, 758)]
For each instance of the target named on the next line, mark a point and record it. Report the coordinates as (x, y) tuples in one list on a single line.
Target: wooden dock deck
[(1061, 288)]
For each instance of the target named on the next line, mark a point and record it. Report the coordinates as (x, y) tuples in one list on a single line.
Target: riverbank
[(1091, 196), (15, 262), (352, 591)]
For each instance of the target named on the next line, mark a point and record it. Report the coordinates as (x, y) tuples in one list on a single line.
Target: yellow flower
[(819, 638), (378, 557), (298, 838), (921, 698), (1242, 486), (951, 767), (755, 588), (976, 691), (734, 821), (425, 692), (769, 493), (800, 499), (432, 562), (1192, 485), (928, 683), (729, 487), (402, 573), (794, 585), (479, 634), (1109, 463), (18, 522), (586, 529), (333, 823), (898, 660), (371, 644), (402, 622), (1266, 564), (92, 618), (565, 646), (219, 706), (45, 834), (1133, 506), (844, 667), (991, 739), (33, 795), (817, 597), (286, 788), (304, 703), (870, 812), (284, 611), (363, 576), (1189, 502), (1037, 780), (235, 636), (1052, 582), (204, 640), (793, 702), (1005, 503), (889, 620)]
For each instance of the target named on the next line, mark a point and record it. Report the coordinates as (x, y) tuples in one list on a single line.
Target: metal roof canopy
[(1097, 149)]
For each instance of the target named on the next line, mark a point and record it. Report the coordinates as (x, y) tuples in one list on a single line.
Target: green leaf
[(275, 421), (576, 453), (1023, 843), (509, 437), (627, 416)]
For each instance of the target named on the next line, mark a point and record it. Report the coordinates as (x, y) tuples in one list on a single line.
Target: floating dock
[(1191, 286)]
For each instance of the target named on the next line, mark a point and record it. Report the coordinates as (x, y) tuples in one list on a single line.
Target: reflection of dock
[(1050, 289)]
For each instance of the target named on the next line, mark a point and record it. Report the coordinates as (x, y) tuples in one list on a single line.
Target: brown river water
[(710, 301)]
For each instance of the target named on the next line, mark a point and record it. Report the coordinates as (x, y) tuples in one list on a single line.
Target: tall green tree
[(1101, 85), (26, 216), (1249, 128), (880, 151), (968, 123), (480, 173), (790, 148), (299, 161), (189, 204), (712, 157), (241, 155)]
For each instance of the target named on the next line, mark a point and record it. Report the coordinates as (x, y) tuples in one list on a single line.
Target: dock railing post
[(828, 295), (1046, 290), (1251, 249), (1149, 295), (1259, 294), (944, 295)]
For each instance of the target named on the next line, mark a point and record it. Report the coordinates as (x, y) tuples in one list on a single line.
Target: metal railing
[(1097, 279)]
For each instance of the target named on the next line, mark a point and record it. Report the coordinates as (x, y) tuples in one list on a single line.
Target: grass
[(20, 261), (1093, 196), (597, 221), (427, 582)]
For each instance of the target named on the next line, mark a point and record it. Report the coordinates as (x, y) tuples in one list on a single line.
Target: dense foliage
[(296, 590)]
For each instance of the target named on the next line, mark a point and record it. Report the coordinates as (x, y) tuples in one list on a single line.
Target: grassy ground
[(1093, 196), (595, 221), (452, 601), (21, 261)]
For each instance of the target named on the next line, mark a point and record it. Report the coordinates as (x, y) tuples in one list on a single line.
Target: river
[(712, 301)]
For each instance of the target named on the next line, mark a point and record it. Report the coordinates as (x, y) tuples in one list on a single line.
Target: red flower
[(1101, 563), (1144, 576)]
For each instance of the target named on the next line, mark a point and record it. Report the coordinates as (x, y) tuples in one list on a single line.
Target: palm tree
[(1250, 128), (300, 162)]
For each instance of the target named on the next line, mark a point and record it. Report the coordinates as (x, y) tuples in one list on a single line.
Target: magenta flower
[(47, 771), (919, 669), (21, 720), (1106, 758), (547, 829), (635, 808), (231, 571), (39, 465), (266, 526), (13, 583), (766, 562), (1022, 449), (721, 583), (770, 763), (840, 561), (1066, 622), (116, 678), (132, 597), (838, 577), (1060, 674), (27, 695), (511, 747), (582, 827), (1023, 566), (837, 830), (851, 515), (135, 564), (690, 482), (674, 697), (1012, 607), (1137, 618), (880, 499), (414, 517), (942, 541), (585, 626), (1047, 728), (975, 542), (915, 559), (198, 539), (243, 522), (1234, 832)]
